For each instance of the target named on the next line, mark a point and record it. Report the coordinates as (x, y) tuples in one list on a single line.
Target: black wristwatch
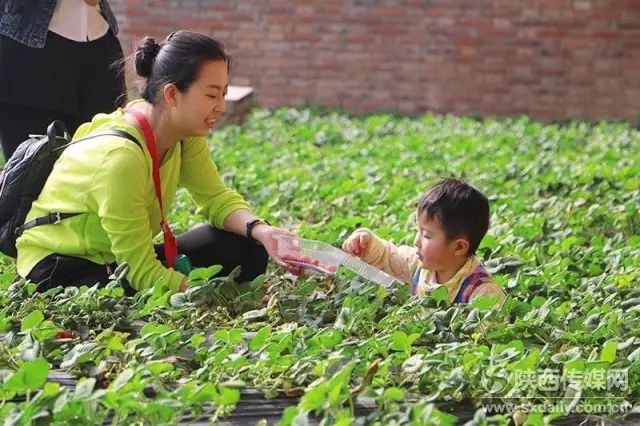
[(253, 224)]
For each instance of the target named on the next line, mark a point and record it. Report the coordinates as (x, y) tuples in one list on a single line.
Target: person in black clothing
[(58, 61)]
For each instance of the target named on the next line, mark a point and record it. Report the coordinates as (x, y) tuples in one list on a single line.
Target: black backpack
[(24, 176)]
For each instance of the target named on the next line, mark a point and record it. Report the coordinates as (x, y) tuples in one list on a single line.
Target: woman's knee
[(253, 266), (206, 246), (253, 259)]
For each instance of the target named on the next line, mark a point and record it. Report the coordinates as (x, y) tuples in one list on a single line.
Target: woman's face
[(198, 108)]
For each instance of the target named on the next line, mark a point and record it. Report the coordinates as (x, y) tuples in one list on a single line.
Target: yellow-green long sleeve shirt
[(109, 180)]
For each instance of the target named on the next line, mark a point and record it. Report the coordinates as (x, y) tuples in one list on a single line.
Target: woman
[(56, 63), (109, 180)]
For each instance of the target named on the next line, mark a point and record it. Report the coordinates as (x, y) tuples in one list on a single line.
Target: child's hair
[(176, 60), (461, 209)]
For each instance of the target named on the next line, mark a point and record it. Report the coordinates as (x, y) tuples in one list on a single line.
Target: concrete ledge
[(239, 101)]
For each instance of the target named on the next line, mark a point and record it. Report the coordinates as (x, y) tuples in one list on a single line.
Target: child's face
[(435, 250)]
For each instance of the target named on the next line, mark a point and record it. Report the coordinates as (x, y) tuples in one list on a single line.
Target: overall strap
[(471, 283), (414, 282)]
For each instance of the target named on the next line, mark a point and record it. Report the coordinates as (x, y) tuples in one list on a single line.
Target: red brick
[(548, 58)]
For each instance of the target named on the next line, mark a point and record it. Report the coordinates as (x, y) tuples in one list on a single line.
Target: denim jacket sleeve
[(27, 21)]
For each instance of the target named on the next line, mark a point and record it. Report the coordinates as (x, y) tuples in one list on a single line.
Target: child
[(452, 217)]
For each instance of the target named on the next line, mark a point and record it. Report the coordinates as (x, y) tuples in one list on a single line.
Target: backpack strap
[(56, 217), (414, 282), (470, 284), (49, 219), (111, 132)]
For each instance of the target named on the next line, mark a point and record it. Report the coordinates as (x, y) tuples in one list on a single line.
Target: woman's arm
[(263, 233), (223, 207)]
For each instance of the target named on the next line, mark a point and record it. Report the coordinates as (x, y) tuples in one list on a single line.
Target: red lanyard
[(170, 246)]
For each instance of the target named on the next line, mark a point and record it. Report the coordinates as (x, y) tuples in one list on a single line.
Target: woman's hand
[(267, 236), (184, 285)]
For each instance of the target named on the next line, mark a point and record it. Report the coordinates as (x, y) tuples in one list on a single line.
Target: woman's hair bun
[(145, 56)]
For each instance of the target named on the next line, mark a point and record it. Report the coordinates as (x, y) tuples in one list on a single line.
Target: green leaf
[(399, 341), (563, 357), (84, 388), (634, 241), (256, 314), (204, 273), (534, 419), (61, 402), (153, 328), (486, 302), (205, 393), (344, 418), (528, 362), (257, 282), (159, 367), (46, 330), (634, 356), (314, 399), (571, 398), (608, 353), (197, 339), (301, 419), (412, 364), (258, 340), (122, 379), (51, 388), (115, 344), (439, 294), (81, 352), (394, 394), (288, 416), (490, 242), (339, 384), (538, 301), (328, 339), (231, 337), (33, 319), (178, 300), (160, 298), (29, 376), (228, 396), (577, 365), (565, 202), (5, 324)]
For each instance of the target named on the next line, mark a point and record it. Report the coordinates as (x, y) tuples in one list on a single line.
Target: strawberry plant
[(564, 242)]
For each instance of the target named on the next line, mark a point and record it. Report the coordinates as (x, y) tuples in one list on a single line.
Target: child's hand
[(358, 243)]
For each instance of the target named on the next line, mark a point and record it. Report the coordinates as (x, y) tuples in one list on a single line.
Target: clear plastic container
[(307, 253), (324, 258)]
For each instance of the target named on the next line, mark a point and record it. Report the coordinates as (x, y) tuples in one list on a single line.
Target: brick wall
[(550, 59)]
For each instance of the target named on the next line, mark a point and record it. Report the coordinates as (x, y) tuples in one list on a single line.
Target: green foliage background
[(564, 242)]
